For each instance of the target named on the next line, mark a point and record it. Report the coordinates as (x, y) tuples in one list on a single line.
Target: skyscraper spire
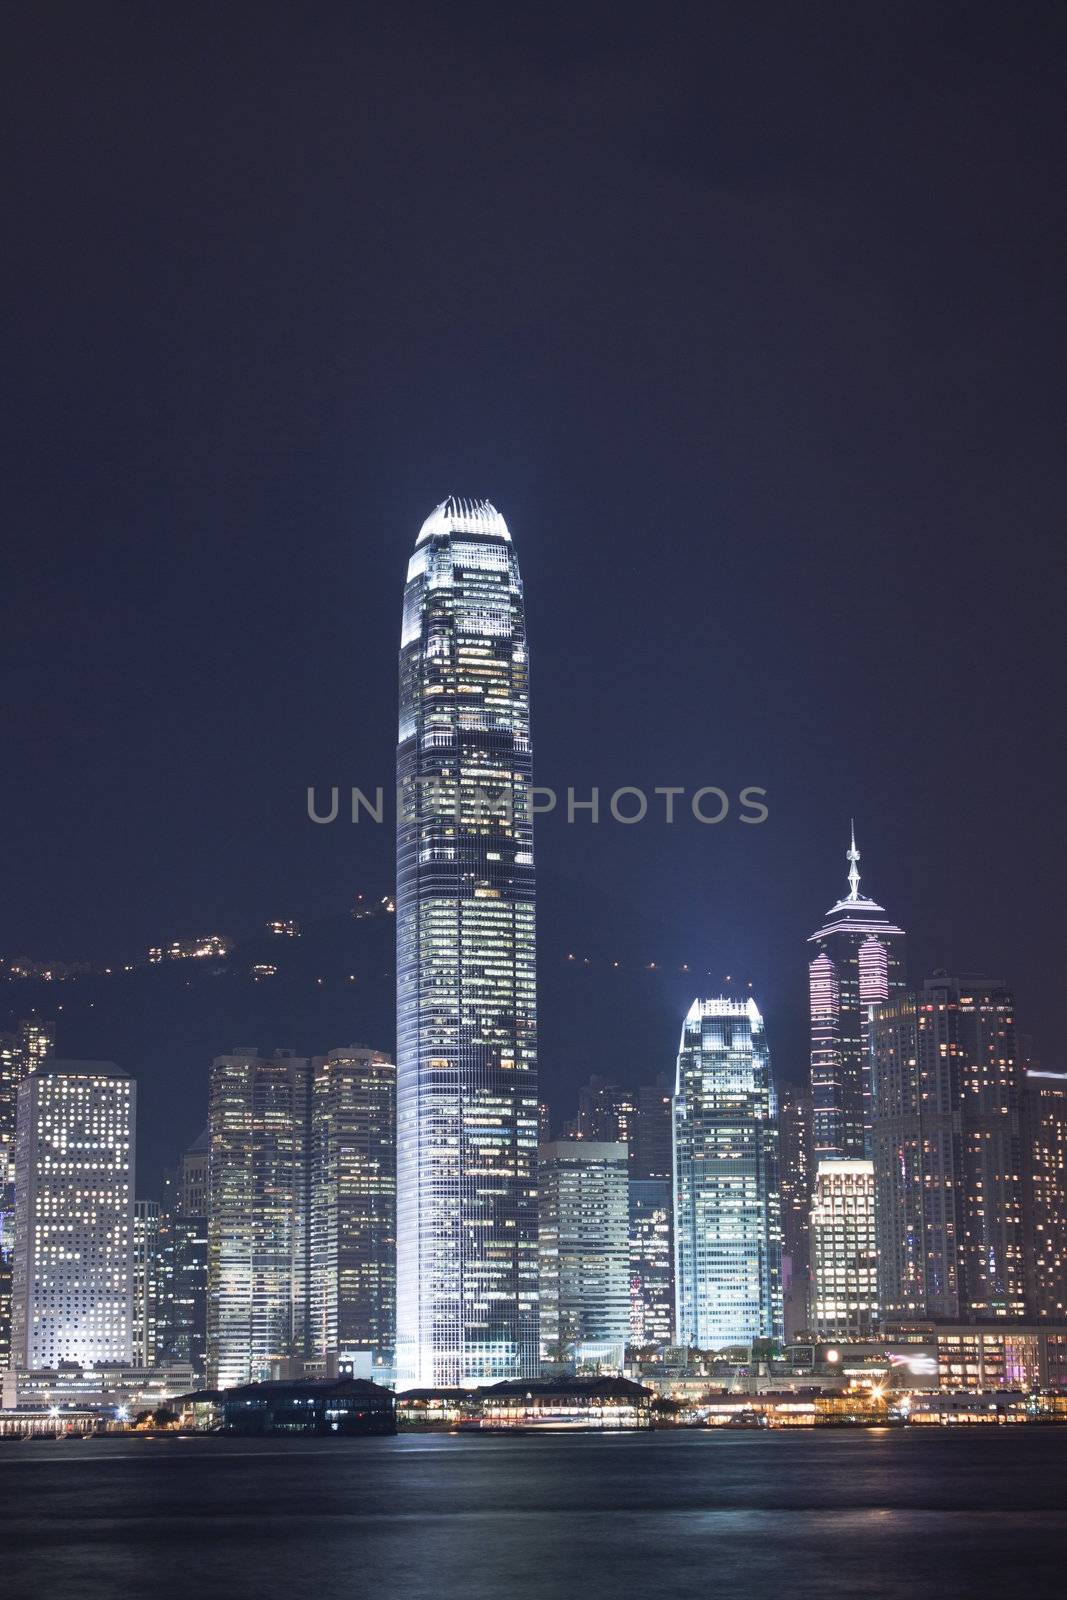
[(852, 856)]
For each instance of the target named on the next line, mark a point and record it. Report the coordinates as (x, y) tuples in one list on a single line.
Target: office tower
[(947, 1140), (584, 1252), (147, 1280), (794, 1136), (1045, 1203), (652, 1153), (727, 1216), (544, 1123), (353, 1204), (72, 1297), (608, 1113), (466, 1010), (858, 963), (20, 1053), (192, 1177), (257, 1219), (181, 1326), (651, 1263), (844, 1256)]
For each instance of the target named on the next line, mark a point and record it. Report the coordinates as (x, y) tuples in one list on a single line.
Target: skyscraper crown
[(463, 516)]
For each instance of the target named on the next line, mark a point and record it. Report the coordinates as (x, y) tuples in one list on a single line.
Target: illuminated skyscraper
[(948, 1153), (727, 1213), (651, 1262), (794, 1128), (73, 1271), (147, 1281), (858, 962), (844, 1256), (584, 1251), (466, 1008), (607, 1112), (181, 1324), (353, 1204), (1045, 1208), (20, 1054), (257, 1221)]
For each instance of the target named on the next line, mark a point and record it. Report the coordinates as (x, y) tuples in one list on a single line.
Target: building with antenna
[(858, 961)]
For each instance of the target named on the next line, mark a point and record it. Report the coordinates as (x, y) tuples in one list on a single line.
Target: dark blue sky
[(751, 322)]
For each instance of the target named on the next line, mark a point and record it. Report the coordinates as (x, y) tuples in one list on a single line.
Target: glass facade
[(726, 1202), (948, 1145), (72, 1297), (858, 963), (1045, 1211), (651, 1263), (467, 1109), (147, 1281), (20, 1053), (353, 1204), (584, 1252), (794, 1129), (257, 1222)]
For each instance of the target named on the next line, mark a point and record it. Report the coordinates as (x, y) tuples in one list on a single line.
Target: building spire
[(852, 856)]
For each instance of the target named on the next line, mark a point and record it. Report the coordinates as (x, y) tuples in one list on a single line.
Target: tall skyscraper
[(192, 1177), (797, 1174), (651, 1262), (858, 962), (584, 1252), (1045, 1204), (844, 1255), (258, 1217), (948, 1152), (607, 1112), (20, 1053), (73, 1269), (353, 1204), (147, 1281), (727, 1213), (466, 1005), (652, 1155), (181, 1325)]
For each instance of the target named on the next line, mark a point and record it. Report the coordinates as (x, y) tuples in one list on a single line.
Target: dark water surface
[(977, 1513)]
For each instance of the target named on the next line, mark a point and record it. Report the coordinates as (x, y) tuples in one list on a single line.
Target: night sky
[(749, 319)]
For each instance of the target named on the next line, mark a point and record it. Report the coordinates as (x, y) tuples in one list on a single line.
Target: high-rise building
[(72, 1297), (584, 1252), (353, 1204), (608, 1113), (258, 1214), (20, 1053), (948, 1152), (467, 1104), (192, 1177), (858, 962), (947, 1143), (147, 1281), (727, 1216), (1045, 1203), (652, 1155), (844, 1256), (651, 1263), (794, 1136), (181, 1329)]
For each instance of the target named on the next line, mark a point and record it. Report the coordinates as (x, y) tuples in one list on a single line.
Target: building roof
[(594, 1388), (455, 515), (53, 1067)]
